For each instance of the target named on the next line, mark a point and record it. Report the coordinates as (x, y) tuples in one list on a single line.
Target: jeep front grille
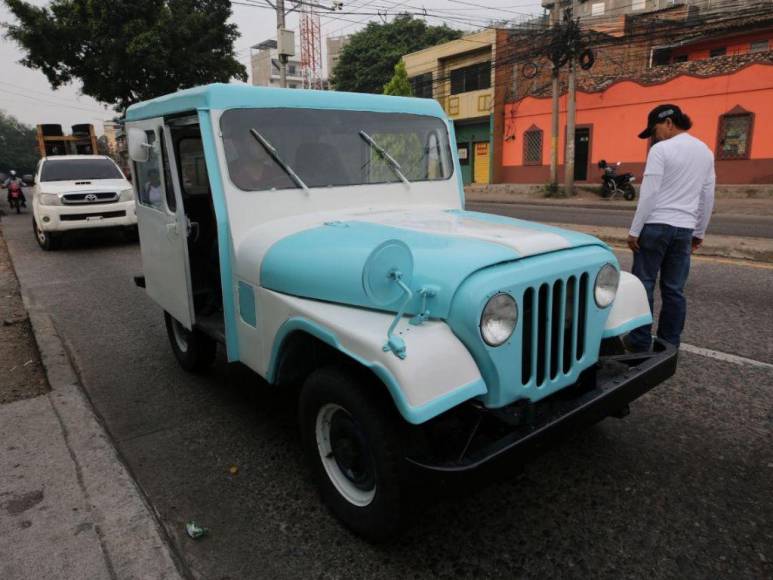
[(553, 328)]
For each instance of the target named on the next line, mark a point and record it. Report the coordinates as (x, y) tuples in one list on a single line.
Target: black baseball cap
[(658, 115)]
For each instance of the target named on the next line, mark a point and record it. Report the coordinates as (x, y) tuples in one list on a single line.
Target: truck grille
[(554, 325), (90, 197)]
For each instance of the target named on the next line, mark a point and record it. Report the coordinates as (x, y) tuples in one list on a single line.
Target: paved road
[(728, 225), (681, 488)]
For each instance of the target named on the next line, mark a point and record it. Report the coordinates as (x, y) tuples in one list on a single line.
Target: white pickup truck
[(77, 192)]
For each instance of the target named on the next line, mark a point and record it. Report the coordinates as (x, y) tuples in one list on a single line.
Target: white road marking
[(726, 357)]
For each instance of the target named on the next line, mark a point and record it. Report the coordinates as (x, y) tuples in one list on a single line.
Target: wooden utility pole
[(571, 110), (555, 18)]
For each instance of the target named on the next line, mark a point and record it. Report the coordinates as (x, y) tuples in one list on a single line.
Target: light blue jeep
[(321, 237)]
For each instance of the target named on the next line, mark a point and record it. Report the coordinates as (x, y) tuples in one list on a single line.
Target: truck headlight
[(498, 320), (605, 288), (49, 199), (127, 194)]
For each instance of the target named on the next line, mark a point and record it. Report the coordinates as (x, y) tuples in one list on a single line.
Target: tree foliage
[(367, 62), (18, 145), (399, 85), (124, 51)]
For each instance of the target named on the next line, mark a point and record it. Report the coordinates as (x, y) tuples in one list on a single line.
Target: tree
[(399, 85), (18, 145), (368, 60), (124, 51)]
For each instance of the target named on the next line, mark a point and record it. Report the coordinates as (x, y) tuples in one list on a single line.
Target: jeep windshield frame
[(325, 148)]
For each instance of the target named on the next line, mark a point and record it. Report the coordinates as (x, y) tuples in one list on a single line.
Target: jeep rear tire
[(351, 438), (194, 350), (48, 241)]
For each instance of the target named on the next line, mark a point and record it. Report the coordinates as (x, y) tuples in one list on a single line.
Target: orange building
[(732, 113), (717, 67)]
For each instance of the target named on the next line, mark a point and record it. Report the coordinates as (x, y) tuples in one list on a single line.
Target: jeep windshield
[(325, 148), (77, 169)]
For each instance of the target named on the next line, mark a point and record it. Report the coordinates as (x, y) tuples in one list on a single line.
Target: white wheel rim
[(180, 336), (342, 483)]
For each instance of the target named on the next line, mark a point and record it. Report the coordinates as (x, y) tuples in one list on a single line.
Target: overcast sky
[(26, 94)]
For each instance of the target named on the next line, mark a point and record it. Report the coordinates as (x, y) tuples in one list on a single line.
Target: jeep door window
[(325, 147), (79, 170), (150, 188)]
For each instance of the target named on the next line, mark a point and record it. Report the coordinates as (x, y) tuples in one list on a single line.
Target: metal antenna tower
[(311, 48)]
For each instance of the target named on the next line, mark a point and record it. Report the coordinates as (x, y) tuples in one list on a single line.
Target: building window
[(680, 58), (291, 69), (471, 78), (719, 51), (532, 146), (422, 86), (484, 103), (759, 46), (735, 134)]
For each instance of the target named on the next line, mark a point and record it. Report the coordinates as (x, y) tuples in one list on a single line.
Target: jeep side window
[(150, 189), (171, 201)]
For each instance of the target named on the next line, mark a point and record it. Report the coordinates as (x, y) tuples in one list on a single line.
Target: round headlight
[(606, 285), (498, 319)]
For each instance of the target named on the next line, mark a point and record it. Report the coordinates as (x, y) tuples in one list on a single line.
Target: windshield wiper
[(271, 150), (386, 157)]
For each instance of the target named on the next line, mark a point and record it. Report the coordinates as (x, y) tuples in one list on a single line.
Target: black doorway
[(581, 153)]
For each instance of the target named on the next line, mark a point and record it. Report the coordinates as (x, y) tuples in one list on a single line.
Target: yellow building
[(460, 75)]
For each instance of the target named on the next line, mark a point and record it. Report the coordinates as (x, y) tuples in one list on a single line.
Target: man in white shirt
[(675, 204)]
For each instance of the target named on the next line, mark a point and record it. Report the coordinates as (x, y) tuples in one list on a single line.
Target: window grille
[(735, 134), (532, 146)]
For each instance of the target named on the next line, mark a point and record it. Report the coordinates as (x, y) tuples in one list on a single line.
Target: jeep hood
[(325, 261)]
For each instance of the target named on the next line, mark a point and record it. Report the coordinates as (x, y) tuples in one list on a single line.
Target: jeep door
[(163, 227)]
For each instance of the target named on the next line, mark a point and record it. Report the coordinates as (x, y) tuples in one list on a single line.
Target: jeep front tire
[(351, 438)]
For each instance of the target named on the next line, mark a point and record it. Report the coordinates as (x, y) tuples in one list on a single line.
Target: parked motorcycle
[(15, 196), (613, 184)]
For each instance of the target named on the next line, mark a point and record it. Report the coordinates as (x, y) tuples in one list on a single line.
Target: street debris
[(194, 531)]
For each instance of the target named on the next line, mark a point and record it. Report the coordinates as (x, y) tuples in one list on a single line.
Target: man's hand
[(633, 243), (696, 243)]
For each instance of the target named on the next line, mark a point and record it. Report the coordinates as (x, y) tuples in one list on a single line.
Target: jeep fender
[(437, 374), (630, 309)]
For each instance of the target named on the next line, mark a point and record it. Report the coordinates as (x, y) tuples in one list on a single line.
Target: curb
[(133, 540)]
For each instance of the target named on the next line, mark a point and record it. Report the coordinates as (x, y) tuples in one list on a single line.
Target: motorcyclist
[(15, 179)]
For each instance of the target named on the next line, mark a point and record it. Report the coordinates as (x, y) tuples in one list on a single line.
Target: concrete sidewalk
[(69, 509)]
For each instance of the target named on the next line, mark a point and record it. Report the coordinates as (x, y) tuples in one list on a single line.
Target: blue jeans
[(665, 249)]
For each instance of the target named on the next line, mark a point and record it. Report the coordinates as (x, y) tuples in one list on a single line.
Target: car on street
[(322, 239), (78, 192)]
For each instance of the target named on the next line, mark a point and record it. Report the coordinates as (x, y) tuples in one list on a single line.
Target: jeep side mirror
[(139, 148), (28, 179)]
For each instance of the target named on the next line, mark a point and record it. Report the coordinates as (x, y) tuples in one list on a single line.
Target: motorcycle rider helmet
[(13, 173), (603, 164)]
